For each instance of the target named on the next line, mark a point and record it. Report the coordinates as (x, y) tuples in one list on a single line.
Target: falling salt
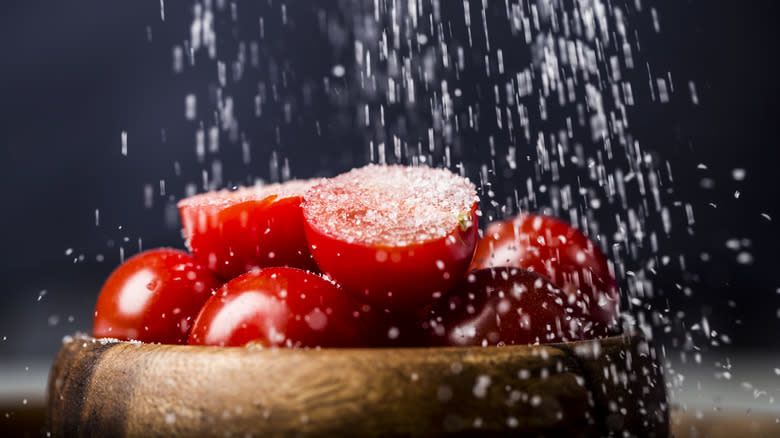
[(693, 92), (148, 195), (170, 418), (738, 174), (178, 59), (444, 393), (124, 143), (745, 258), (411, 80), (481, 386), (190, 107), (393, 333)]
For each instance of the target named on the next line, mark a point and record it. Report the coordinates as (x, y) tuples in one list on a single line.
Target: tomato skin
[(397, 278), (279, 307), (558, 251), (153, 297), (254, 230), (504, 306)]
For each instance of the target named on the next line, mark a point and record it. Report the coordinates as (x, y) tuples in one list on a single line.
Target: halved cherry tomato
[(394, 237), (233, 232), (505, 306), (561, 253), (153, 297), (279, 307)]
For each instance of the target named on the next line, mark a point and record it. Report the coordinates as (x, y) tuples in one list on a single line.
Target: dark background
[(74, 75)]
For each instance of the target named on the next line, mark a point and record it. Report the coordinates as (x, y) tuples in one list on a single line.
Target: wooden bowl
[(579, 389)]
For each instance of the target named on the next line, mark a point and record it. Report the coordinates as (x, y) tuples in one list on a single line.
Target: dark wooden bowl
[(579, 389)]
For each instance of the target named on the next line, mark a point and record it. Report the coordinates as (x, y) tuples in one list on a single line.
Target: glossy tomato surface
[(394, 237), (558, 251), (279, 307), (231, 232), (153, 297), (505, 306)]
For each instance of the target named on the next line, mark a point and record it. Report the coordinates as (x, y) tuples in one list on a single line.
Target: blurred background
[(96, 146)]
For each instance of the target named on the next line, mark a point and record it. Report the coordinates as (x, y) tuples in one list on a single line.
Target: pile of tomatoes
[(378, 256)]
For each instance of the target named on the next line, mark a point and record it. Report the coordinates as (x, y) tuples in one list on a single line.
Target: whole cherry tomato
[(153, 297), (394, 237), (279, 307), (561, 253), (231, 232), (505, 306)]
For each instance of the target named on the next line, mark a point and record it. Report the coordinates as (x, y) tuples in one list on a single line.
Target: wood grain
[(581, 389)]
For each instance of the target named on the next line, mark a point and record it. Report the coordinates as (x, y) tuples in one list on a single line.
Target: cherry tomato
[(233, 232), (561, 253), (153, 297), (394, 237), (505, 306), (279, 307)]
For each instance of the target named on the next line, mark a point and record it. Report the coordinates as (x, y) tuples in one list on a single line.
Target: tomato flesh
[(394, 237), (505, 306), (153, 297), (558, 251), (234, 232), (279, 307)]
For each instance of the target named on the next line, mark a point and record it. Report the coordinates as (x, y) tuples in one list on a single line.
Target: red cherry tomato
[(504, 306), (153, 297), (561, 253), (233, 232), (279, 307), (394, 237)]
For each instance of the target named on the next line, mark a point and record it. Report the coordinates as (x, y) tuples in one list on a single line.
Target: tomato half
[(505, 306), (232, 232), (279, 307), (394, 237), (153, 297), (561, 253)]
